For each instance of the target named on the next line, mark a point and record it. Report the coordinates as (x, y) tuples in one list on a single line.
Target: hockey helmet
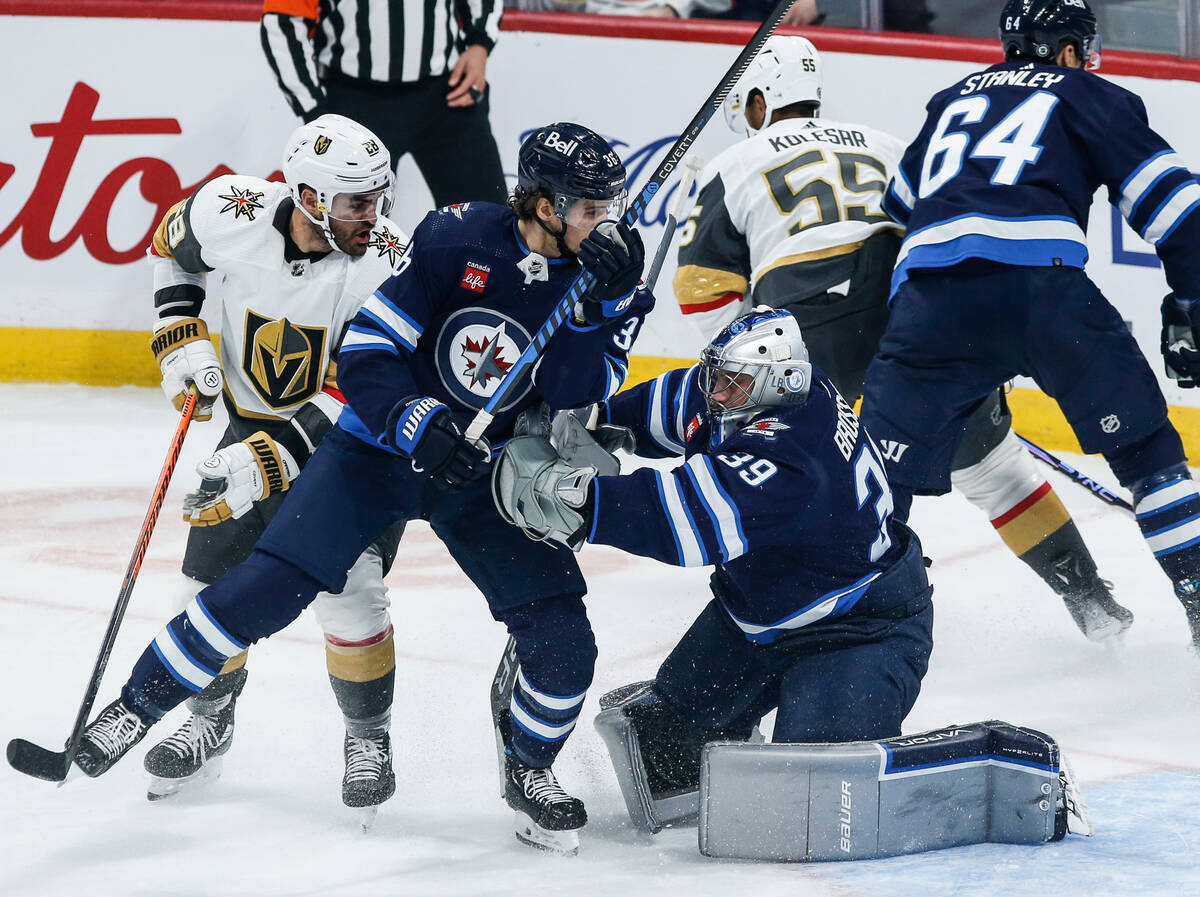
[(575, 166), (1034, 29), (758, 360), (787, 70), (347, 166)]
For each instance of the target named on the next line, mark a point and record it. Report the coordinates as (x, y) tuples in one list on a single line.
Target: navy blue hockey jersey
[(1007, 163), (456, 314), (793, 509)]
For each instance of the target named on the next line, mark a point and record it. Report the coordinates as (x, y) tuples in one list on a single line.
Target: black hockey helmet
[(570, 163), (1034, 29)]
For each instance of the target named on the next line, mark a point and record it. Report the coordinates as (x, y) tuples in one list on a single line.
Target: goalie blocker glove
[(1180, 337), (424, 430), (545, 496), (187, 357), (613, 254)]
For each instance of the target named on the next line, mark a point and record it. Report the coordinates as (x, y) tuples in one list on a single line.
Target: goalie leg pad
[(984, 782)]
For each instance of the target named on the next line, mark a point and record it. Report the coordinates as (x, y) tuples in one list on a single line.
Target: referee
[(412, 71)]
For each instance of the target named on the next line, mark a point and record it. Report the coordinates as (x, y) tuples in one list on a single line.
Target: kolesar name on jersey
[(836, 136), (1018, 78)]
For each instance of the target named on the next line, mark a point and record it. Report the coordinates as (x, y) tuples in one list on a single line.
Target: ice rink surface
[(76, 469)]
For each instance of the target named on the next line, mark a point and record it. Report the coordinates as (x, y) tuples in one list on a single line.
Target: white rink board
[(211, 84)]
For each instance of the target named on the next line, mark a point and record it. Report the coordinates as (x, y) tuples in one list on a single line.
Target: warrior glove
[(1180, 338), (613, 254), (187, 357), (236, 477), (538, 491), (424, 430)]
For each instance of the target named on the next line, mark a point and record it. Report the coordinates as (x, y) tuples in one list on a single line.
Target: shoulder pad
[(227, 208)]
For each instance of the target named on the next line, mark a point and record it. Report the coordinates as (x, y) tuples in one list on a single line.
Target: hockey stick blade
[(34, 760)]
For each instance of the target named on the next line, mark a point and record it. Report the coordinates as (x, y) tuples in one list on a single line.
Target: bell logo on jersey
[(475, 277), (475, 350), (282, 360)]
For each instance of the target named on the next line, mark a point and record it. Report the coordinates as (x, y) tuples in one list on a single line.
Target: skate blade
[(366, 817), (160, 788), (565, 843), (1111, 632)]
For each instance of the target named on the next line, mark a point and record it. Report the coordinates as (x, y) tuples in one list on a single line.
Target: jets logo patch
[(767, 428), (475, 277), (241, 202), (476, 348), (282, 360), (387, 244)]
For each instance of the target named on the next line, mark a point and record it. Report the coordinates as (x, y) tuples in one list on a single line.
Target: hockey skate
[(108, 738), (193, 753), (1071, 810), (369, 778), (1096, 613), (1188, 593), (547, 817)]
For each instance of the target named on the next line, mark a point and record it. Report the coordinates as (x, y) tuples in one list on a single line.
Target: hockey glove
[(1180, 338), (583, 446), (186, 357), (236, 477), (614, 255), (538, 491), (423, 430)]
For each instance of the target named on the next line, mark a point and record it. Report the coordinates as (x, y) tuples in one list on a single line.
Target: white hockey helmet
[(340, 160), (758, 360), (787, 70)]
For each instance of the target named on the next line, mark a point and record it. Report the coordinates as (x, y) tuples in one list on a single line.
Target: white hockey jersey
[(802, 194), (283, 311)]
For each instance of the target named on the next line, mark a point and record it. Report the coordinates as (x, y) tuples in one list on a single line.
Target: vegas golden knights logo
[(321, 144), (282, 359)]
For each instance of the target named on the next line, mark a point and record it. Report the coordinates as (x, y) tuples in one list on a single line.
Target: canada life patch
[(692, 427), (475, 277)]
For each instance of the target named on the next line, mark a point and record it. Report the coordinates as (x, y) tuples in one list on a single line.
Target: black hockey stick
[(1104, 494), (673, 216), (53, 766), (566, 304), (502, 688)]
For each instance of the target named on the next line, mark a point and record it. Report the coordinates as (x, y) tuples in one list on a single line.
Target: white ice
[(76, 469)]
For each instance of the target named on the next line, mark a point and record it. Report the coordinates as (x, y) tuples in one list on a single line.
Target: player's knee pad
[(1001, 480), (655, 754), (358, 612), (984, 782)]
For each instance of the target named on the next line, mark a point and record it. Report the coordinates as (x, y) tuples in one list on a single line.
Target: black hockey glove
[(614, 255), (1180, 338), (423, 430)]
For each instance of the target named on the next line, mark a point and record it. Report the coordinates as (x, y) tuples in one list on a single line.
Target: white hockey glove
[(186, 356), (582, 441), (538, 491), (236, 477)]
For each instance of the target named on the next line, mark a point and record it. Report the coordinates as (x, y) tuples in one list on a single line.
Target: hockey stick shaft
[(1104, 494), (678, 150), (676, 212), (19, 748)]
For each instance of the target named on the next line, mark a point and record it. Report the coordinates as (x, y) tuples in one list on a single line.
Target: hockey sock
[(1168, 513), (1028, 515), (182, 660), (363, 676)]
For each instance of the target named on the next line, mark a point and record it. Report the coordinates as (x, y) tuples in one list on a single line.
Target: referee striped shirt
[(388, 41)]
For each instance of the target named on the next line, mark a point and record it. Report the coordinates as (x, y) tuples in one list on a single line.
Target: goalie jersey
[(791, 204), (283, 311), (1007, 163), (793, 509), (463, 304)]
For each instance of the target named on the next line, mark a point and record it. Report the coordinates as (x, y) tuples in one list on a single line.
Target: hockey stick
[(1102, 493), (53, 766), (533, 351), (502, 688), (681, 197)]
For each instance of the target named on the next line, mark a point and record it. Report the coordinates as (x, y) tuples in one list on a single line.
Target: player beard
[(352, 237)]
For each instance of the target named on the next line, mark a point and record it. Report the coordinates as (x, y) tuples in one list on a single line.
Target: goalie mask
[(787, 70), (347, 166), (758, 361)]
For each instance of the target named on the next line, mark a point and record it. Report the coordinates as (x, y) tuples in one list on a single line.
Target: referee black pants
[(453, 147)]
